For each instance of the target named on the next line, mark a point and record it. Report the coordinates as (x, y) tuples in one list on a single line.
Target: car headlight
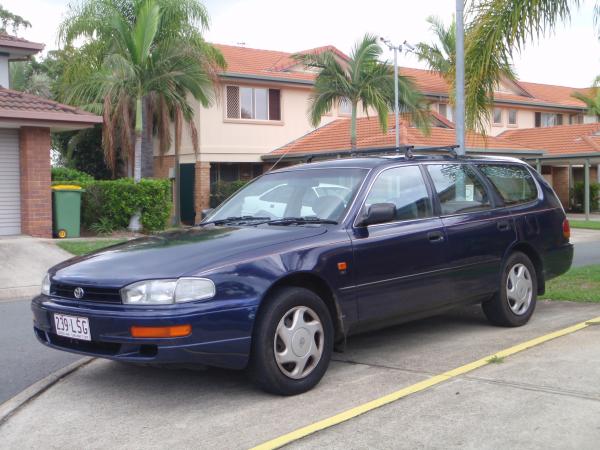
[(165, 292), (46, 285)]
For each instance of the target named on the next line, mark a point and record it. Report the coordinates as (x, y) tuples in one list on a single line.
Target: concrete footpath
[(544, 397), (23, 263)]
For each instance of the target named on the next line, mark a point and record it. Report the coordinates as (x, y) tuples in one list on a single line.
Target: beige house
[(262, 104)]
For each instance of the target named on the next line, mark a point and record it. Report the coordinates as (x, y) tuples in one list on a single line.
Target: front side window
[(514, 183), (322, 193), (458, 188), (405, 188), (253, 103)]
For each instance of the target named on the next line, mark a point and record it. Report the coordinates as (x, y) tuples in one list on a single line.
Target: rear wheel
[(515, 301), (292, 342)]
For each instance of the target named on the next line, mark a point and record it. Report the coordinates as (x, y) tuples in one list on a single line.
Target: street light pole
[(396, 49), (460, 78)]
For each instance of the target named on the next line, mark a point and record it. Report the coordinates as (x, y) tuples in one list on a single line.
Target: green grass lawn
[(581, 284), (84, 247), (588, 224)]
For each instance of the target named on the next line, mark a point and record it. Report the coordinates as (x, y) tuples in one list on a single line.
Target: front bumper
[(221, 331)]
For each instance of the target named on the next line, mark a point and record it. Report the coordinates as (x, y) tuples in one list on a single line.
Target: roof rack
[(405, 151)]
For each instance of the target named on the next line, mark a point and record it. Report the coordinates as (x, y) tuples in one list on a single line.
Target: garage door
[(10, 197)]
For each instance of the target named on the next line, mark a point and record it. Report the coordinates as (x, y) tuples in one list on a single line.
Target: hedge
[(222, 190), (115, 201), (578, 193), (60, 175)]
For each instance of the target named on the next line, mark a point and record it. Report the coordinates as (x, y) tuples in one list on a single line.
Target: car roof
[(385, 160)]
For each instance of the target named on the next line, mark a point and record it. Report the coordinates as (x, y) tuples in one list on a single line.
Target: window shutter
[(274, 104), (538, 119), (233, 102)]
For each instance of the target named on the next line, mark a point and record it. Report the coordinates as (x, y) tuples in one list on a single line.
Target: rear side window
[(458, 188), (514, 183), (405, 188)]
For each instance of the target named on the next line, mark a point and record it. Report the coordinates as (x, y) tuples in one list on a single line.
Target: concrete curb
[(9, 407)]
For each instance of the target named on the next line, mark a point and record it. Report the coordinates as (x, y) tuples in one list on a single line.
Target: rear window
[(514, 183)]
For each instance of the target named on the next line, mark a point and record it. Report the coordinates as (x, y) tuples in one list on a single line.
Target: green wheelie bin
[(66, 210)]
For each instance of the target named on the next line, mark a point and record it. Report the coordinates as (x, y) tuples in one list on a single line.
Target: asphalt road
[(23, 360)]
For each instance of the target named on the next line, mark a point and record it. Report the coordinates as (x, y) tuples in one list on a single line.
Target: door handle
[(435, 236), (503, 225)]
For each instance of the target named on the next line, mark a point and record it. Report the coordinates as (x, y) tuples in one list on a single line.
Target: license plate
[(72, 327)]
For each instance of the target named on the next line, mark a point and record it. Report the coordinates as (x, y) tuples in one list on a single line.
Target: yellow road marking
[(414, 388)]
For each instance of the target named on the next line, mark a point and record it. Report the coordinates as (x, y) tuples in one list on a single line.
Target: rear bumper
[(557, 261), (220, 337)]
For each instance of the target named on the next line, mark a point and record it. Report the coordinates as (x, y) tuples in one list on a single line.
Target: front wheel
[(514, 303), (292, 342)]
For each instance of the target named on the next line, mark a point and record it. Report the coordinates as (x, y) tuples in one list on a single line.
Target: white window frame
[(345, 102)]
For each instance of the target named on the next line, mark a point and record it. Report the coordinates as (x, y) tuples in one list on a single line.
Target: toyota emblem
[(78, 292)]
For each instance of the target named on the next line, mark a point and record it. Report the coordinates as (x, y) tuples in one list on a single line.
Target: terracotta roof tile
[(19, 105), (8, 40), (336, 136), (275, 64), (562, 139)]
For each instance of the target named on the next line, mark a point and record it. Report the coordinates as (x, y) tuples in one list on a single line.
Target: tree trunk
[(353, 127), (147, 142), (137, 159)]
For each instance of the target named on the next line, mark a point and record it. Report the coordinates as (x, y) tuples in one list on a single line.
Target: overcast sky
[(571, 57)]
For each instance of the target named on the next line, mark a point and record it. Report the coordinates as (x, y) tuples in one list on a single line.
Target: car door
[(478, 234), (399, 264)]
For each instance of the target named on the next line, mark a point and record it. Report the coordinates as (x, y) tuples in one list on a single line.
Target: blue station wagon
[(302, 257)]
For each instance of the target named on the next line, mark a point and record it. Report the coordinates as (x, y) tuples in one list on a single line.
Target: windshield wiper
[(240, 219), (300, 221)]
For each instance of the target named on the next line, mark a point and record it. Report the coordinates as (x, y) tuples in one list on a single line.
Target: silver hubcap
[(298, 342), (519, 289)]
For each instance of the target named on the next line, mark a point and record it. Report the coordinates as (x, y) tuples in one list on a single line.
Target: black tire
[(500, 310), (264, 367)]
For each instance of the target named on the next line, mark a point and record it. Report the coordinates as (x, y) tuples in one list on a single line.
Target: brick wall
[(36, 196), (162, 164), (560, 183), (201, 188)]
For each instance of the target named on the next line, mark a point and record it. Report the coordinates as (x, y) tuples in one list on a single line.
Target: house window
[(575, 119), (345, 107), (443, 109), (497, 116), (543, 120), (512, 117), (253, 103)]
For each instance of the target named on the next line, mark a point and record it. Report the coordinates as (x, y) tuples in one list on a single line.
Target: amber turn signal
[(161, 332)]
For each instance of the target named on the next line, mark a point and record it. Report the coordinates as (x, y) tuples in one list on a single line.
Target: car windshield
[(308, 193)]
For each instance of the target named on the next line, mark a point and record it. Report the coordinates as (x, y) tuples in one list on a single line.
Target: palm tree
[(441, 57), (591, 100), (139, 62), (363, 81), (496, 28)]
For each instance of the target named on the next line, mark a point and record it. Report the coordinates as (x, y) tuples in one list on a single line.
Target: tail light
[(566, 229)]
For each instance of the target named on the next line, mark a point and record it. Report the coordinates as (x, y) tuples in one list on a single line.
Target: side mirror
[(206, 212), (377, 213)]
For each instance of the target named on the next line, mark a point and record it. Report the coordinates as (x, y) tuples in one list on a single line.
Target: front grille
[(92, 294), (95, 347)]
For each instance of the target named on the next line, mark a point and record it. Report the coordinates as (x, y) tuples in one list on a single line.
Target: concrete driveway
[(545, 397), (23, 263)]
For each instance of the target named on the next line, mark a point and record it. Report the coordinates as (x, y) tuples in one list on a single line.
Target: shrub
[(222, 190), (61, 175), (113, 202), (578, 193)]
